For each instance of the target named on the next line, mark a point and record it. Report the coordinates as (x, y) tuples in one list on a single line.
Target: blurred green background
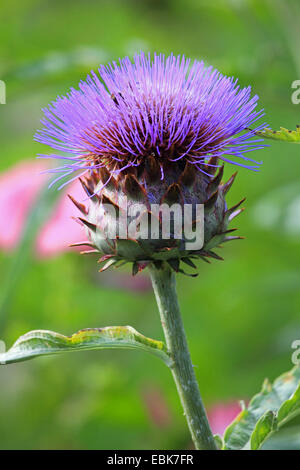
[(241, 315)]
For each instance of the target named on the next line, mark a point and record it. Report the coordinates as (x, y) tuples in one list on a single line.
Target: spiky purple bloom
[(166, 107)]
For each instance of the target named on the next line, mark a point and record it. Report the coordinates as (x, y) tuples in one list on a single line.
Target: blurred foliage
[(241, 315)]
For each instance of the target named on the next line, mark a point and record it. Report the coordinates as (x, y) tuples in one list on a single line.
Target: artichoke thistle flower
[(155, 131)]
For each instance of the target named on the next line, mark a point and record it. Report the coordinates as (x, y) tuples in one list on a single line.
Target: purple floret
[(166, 107)]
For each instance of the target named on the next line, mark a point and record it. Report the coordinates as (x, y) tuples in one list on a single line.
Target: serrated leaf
[(270, 421), (254, 424), (283, 134), (44, 342)]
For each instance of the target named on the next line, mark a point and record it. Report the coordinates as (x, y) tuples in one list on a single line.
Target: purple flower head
[(166, 107)]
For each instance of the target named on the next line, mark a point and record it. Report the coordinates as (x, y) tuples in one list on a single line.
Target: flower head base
[(153, 132), (163, 107)]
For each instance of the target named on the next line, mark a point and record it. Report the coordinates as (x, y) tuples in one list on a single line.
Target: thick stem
[(164, 286)]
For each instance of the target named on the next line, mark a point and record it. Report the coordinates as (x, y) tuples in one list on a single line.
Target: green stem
[(164, 286)]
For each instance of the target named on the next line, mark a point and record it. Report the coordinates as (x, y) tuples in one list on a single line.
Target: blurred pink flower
[(19, 189), (221, 415), (156, 405), (62, 230)]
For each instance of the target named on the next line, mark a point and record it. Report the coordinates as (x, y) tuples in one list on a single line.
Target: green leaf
[(266, 413), (43, 342), (263, 429), (219, 441), (283, 134), (270, 421), (288, 438), (289, 408)]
